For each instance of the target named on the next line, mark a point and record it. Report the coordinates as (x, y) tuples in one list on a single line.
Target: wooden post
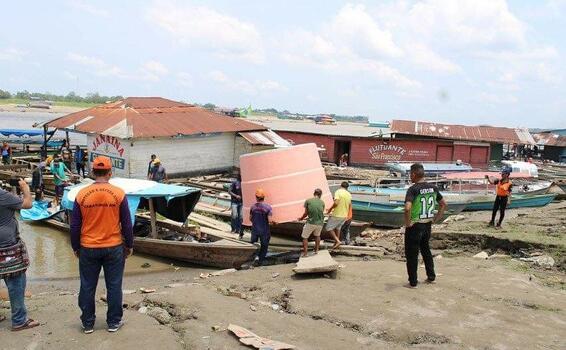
[(152, 218)]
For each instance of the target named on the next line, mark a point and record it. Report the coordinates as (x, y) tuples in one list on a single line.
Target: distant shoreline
[(11, 107)]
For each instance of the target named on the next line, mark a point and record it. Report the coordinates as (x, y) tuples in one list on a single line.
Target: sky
[(474, 62)]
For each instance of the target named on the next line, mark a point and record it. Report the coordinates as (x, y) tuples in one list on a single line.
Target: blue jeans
[(237, 218), (345, 231), (16, 291), (91, 260), (264, 244)]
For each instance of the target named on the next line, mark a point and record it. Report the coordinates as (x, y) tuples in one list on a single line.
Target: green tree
[(5, 94)]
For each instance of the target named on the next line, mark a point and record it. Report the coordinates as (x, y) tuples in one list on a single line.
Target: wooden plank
[(317, 263), (13, 166), (152, 218), (210, 222)]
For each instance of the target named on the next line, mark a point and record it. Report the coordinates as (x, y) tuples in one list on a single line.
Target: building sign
[(387, 152), (111, 147)]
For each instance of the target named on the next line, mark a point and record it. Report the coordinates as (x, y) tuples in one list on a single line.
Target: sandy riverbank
[(487, 304)]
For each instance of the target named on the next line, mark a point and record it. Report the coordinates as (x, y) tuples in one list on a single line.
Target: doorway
[(342, 147)]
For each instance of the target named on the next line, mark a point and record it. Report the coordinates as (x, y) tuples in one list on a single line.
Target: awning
[(23, 132), (172, 201), (265, 138)]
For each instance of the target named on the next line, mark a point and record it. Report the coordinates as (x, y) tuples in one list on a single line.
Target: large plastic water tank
[(288, 176)]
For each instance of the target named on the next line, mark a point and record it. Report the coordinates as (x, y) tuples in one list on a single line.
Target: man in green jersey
[(423, 206), (314, 209)]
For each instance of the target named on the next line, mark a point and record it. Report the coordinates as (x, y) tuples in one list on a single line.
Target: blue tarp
[(38, 211), (23, 132), (135, 190)]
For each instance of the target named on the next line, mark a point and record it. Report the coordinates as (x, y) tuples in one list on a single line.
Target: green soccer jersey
[(425, 198)]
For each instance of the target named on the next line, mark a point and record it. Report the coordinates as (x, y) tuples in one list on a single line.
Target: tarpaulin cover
[(23, 132), (172, 201), (38, 211)]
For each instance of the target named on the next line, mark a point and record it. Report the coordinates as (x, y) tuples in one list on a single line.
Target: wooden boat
[(165, 237), (221, 207), (517, 201), (218, 252)]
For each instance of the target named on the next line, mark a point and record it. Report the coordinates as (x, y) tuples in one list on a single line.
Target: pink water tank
[(288, 177)]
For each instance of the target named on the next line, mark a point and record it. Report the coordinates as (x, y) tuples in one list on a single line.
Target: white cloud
[(185, 79), (151, 71), (11, 54), (156, 67), (424, 56), (245, 86), (69, 75), (354, 27), (203, 28), (493, 98), (100, 67), (89, 8)]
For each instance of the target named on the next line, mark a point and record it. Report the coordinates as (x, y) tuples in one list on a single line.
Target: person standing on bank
[(101, 237), (260, 216), (150, 165), (502, 198), (423, 206), (14, 260), (79, 161), (237, 206), (339, 213), (158, 173), (314, 210)]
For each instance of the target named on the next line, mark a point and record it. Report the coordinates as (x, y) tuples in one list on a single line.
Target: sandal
[(29, 324), (2, 318)]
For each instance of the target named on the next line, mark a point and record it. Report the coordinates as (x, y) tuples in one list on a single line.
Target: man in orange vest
[(101, 236), (503, 196)]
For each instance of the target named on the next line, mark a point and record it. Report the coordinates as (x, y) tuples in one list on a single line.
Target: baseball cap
[(259, 193), (102, 163)]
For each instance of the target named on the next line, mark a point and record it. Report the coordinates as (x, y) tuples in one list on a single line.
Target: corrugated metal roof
[(145, 117), (265, 138), (338, 129), (547, 139), (462, 132)]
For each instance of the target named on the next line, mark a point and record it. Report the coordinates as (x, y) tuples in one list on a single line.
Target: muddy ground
[(496, 303), (476, 304)]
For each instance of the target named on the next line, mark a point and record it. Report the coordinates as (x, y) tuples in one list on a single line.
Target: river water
[(49, 249)]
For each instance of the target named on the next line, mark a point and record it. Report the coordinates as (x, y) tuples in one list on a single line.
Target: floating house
[(552, 145), (402, 140), (189, 140)]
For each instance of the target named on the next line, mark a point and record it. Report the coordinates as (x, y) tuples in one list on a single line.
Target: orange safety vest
[(504, 188), (100, 210)]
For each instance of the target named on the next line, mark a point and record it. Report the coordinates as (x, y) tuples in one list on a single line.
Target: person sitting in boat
[(502, 198)]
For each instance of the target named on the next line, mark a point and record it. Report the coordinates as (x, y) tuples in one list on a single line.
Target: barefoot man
[(339, 212), (421, 211), (314, 210)]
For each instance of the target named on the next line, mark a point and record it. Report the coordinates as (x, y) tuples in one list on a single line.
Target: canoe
[(453, 207), (384, 215), (219, 252), (517, 201)]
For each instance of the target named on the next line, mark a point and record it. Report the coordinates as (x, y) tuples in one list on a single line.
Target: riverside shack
[(188, 139)]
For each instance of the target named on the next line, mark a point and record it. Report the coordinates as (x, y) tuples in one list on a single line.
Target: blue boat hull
[(517, 201)]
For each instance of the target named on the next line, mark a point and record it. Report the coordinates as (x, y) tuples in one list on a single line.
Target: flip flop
[(29, 324)]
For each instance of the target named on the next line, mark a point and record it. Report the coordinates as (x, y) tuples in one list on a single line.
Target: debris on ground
[(481, 255), (161, 315), (317, 263), (541, 260), (147, 290), (248, 338), (223, 272)]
